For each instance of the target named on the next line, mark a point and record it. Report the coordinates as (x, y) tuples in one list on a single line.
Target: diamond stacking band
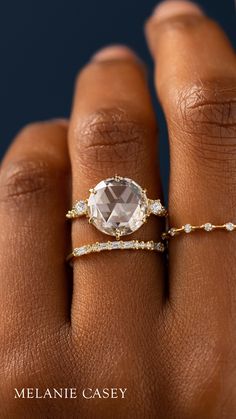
[(117, 206), (188, 228), (116, 245)]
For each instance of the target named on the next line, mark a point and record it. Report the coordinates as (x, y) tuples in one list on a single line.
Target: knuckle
[(207, 112), (26, 179), (109, 136)]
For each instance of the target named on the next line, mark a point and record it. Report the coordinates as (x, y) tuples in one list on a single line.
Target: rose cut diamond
[(117, 206)]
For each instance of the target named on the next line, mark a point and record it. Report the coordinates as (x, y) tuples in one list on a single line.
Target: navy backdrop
[(44, 43)]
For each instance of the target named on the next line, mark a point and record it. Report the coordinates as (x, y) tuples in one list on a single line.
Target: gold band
[(116, 245), (188, 228)]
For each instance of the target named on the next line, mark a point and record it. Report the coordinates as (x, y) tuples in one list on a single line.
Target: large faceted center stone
[(117, 206)]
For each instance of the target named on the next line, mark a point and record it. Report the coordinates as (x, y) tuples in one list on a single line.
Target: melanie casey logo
[(70, 393)]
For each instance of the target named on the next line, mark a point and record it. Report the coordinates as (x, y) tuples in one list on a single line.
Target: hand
[(169, 341)]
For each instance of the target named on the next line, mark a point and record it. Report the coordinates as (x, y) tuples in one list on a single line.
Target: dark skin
[(175, 353)]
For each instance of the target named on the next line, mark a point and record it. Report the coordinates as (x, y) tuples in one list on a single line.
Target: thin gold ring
[(116, 245), (189, 228)]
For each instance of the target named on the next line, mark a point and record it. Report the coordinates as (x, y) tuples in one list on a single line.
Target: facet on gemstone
[(229, 226), (208, 227), (187, 228), (117, 206)]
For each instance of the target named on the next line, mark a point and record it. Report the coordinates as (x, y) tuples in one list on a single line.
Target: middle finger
[(113, 131)]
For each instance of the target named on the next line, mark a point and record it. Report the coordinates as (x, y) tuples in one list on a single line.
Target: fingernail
[(115, 52), (171, 8), (61, 121)]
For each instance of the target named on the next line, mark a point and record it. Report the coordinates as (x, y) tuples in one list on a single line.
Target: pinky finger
[(34, 183)]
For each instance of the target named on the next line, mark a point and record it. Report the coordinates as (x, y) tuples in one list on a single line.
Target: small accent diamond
[(159, 246), (172, 232), (229, 226), (187, 228), (80, 251), (80, 207), (101, 246), (116, 245), (156, 207), (128, 245), (208, 227)]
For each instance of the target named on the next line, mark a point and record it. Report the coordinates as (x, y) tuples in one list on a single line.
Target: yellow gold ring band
[(189, 228), (116, 245)]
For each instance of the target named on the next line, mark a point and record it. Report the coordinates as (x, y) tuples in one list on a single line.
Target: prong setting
[(79, 209), (155, 207)]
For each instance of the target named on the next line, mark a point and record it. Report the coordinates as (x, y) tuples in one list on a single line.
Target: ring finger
[(195, 80)]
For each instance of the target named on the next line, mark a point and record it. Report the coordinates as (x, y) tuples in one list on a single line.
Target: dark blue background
[(44, 43)]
